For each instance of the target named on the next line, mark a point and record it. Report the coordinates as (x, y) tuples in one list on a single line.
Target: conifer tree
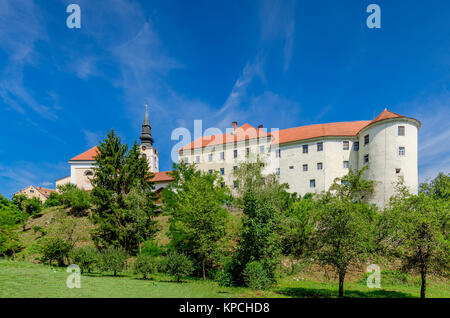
[(124, 208)]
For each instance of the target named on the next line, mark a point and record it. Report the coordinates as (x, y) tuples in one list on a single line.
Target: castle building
[(309, 158), (82, 166)]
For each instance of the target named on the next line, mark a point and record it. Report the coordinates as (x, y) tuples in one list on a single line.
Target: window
[(210, 172), (305, 167), (222, 171), (345, 145), (366, 139), (278, 153), (234, 168), (88, 173), (346, 165), (235, 184), (210, 157), (397, 170), (319, 146), (305, 148), (261, 149), (401, 130), (144, 155), (31, 191), (319, 166), (366, 159), (235, 153), (291, 167), (186, 160), (277, 171), (197, 159), (222, 155), (312, 183), (247, 151), (401, 151), (356, 146)]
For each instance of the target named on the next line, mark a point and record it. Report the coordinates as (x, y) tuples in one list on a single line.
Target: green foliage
[(32, 207), (113, 259), (54, 199), (178, 265), (438, 188), (86, 257), (344, 225), (151, 248), (415, 228), (223, 278), (145, 265), (393, 278), (10, 217), (124, 207), (255, 276), (79, 201), (259, 240), (198, 221), (54, 249)]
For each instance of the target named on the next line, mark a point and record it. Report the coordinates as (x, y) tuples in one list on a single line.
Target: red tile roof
[(87, 155), (321, 130), (163, 176), (45, 192), (386, 114), (292, 134), (245, 132)]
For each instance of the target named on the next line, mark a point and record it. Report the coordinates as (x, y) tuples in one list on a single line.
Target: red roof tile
[(386, 114), (87, 155), (163, 176), (45, 192), (245, 132), (315, 131)]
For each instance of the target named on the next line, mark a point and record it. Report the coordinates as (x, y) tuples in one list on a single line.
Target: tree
[(344, 225), (10, 218), (145, 265), (417, 229), (124, 209), (259, 240), (86, 257), (198, 219), (178, 265), (113, 259)]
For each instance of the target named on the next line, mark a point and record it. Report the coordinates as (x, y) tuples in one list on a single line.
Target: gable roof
[(46, 192), (386, 114), (88, 155), (163, 176), (245, 132)]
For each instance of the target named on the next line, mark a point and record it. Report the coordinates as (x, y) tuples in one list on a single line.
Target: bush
[(178, 265), (145, 265), (54, 199), (77, 200), (32, 207), (54, 249), (85, 257), (113, 259), (152, 248), (255, 276), (223, 278)]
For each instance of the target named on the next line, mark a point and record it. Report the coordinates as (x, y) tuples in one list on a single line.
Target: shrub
[(223, 278), (151, 248), (32, 206), (85, 257), (54, 199), (178, 265), (255, 276), (113, 259), (54, 249), (77, 200), (145, 265), (38, 228)]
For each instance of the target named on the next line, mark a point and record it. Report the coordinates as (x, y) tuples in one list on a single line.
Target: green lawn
[(23, 279)]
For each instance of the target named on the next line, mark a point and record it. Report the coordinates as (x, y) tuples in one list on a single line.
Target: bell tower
[(147, 148)]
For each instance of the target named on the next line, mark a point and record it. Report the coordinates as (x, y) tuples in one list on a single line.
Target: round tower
[(388, 145)]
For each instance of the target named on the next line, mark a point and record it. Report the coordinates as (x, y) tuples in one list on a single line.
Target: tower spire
[(146, 135)]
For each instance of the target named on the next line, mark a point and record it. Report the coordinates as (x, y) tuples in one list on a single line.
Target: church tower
[(147, 148)]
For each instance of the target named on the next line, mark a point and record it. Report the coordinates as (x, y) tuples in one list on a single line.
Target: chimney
[(234, 126), (260, 127)]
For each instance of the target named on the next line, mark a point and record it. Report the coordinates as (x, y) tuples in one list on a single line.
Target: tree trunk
[(203, 268), (115, 273), (341, 284), (423, 287)]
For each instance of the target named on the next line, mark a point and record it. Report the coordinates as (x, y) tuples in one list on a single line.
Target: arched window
[(88, 173)]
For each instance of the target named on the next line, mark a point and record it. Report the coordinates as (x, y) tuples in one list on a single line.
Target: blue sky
[(276, 63)]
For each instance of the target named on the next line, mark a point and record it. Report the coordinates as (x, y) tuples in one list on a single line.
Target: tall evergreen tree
[(124, 207)]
